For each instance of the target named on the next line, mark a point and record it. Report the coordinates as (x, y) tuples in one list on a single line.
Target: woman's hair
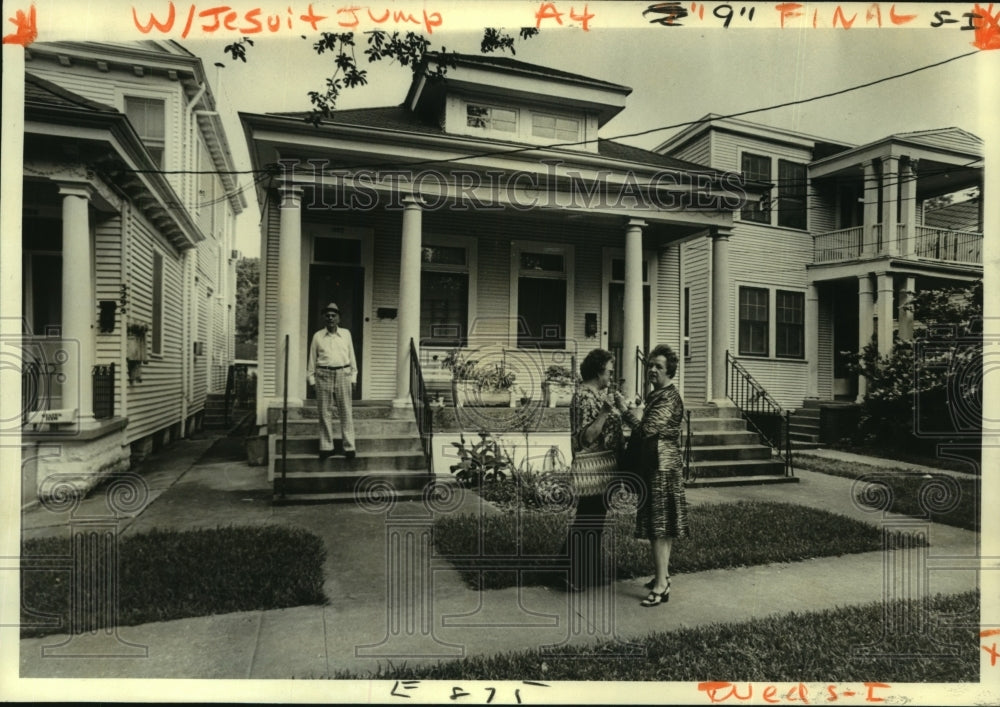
[(669, 355), (594, 363)]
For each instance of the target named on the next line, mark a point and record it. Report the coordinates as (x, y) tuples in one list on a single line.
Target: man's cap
[(332, 307)]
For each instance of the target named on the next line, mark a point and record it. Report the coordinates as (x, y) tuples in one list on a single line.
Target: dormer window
[(555, 127), (490, 118)]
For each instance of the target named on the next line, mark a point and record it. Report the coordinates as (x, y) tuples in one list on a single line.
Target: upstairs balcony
[(923, 242)]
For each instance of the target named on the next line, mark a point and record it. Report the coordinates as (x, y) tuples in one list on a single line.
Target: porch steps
[(804, 425), (725, 453), (389, 463), (214, 417)]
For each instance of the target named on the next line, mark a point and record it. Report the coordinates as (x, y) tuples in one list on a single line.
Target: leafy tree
[(927, 390), (247, 295), (407, 49)]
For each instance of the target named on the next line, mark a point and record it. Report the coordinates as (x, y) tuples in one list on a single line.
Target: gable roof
[(38, 90), (950, 138), (513, 66), (400, 119)]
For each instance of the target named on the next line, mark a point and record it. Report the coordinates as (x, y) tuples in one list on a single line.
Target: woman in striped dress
[(662, 513)]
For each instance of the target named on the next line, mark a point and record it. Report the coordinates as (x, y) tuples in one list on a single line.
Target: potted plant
[(558, 386)]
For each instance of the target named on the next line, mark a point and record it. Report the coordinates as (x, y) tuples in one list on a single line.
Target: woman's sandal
[(657, 598)]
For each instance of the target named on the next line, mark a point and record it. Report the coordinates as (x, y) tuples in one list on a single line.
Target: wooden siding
[(155, 402), (388, 241), (785, 381), (268, 347), (199, 388), (697, 278), (824, 349), (107, 282), (698, 151), (727, 147), (669, 300)]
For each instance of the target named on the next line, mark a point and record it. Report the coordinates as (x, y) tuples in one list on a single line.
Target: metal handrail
[(284, 424), (753, 401), (421, 407)]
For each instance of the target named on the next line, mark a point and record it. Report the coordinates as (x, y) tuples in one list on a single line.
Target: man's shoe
[(350, 454), (325, 454)]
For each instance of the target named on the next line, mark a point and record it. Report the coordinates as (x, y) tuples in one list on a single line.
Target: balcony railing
[(931, 243)]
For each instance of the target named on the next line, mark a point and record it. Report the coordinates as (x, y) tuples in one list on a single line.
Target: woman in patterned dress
[(595, 426), (662, 513)]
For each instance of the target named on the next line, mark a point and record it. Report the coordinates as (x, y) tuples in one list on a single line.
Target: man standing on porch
[(333, 369)]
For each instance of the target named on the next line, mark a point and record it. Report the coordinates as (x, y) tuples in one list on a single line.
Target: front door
[(845, 339), (345, 285)]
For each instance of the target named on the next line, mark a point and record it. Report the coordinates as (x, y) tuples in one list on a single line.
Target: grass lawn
[(722, 535), (165, 575), (942, 498), (809, 647), (906, 456)]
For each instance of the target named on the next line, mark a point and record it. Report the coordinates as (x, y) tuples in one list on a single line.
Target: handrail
[(421, 407), (756, 405), (640, 365), (284, 423), (688, 476)]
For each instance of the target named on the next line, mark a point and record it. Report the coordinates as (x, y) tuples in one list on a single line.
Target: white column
[(812, 341), (720, 312), (905, 316), (884, 304), (633, 321), (890, 203), (79, 308), (908, 212), (289, 295), (408, 314), (871, 190), (866, 310)]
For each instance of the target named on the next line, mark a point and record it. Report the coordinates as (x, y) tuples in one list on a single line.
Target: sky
[(677, 75)]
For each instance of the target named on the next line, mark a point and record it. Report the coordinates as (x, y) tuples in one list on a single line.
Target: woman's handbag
[(591, 472)]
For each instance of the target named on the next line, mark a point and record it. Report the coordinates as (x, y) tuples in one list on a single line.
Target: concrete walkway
[(382, 610)]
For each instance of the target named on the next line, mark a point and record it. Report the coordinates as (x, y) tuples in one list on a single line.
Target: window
[(157, 304), (758, 169), (555, 127), (542, 274), (791, 194), (754, 310), (148, 117), (789, 317), (490, 118), (444, 295)]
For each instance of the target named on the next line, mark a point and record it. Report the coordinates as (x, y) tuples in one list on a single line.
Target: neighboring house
[(828, 261), (128, 236), (482, 211)]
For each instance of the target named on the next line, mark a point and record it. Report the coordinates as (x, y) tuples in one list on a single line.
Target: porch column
[(885, 291), (908, 206), (870, 217), (906, 293), (289, 295), (408, 314), (720, 312), (812, 341), (890, 204), (632, 323), (866, 310), (79, 308)]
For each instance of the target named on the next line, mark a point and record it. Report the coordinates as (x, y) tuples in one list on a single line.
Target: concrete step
[(723, 452), (799, 436), (364, 462), (806, 414), (716, 424), (738, 467), (360, 412), (336, 497), (741, 481), (803, 444), (712, 411), (711, 439), (362, 427), (364, 443), (351, 482)]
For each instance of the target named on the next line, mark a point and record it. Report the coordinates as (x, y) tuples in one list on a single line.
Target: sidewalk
[(367, 623)]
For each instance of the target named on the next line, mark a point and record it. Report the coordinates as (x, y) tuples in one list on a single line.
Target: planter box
[(469, 393), (557, 394), (136, 349)]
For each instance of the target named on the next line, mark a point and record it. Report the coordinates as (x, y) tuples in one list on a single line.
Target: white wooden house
[(128, 240)]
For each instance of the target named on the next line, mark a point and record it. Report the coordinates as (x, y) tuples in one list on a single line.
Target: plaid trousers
[(333, 392)]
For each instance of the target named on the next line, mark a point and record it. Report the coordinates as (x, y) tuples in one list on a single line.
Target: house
[(827, 262), (129, 206), (484, 212)]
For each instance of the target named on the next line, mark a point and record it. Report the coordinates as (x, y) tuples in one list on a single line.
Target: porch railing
[(103, 377), (238, 389), (421, 406), (919, 241), (760, 410)]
